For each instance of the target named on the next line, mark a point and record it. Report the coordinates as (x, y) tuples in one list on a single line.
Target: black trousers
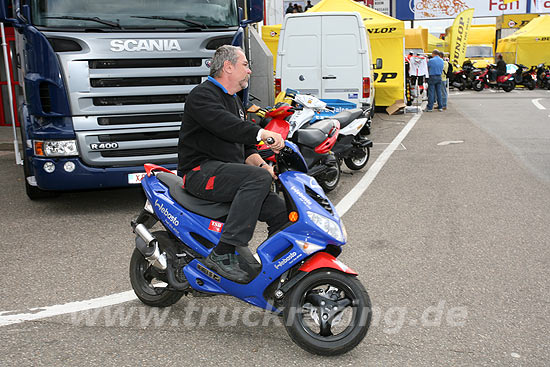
[(247, 188)]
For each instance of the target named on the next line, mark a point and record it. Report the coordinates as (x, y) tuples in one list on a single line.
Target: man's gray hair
[(223, 53)]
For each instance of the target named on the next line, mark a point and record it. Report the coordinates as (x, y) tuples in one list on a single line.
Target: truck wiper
[(183, 20), (93, 19)]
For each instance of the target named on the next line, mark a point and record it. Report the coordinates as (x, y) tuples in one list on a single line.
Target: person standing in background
[(435, 69), (308, 5), (289, 9), (444, 81)]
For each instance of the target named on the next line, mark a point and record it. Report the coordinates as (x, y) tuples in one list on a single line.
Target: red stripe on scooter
[(198, 168), (183, 184), (325, 260), (210, 183)]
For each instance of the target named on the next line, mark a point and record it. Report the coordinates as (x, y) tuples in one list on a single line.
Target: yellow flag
[(459, 36)]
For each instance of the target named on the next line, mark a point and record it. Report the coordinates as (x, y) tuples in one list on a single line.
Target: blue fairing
[(182, 223)]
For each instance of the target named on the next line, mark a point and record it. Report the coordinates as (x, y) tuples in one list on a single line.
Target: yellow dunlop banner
[(459, 36)]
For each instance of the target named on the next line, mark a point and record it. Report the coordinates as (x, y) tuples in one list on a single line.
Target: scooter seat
[(313, 135), (347, 116), (205, 208)]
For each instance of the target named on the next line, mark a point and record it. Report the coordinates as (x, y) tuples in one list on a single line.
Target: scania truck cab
[(105, 82)]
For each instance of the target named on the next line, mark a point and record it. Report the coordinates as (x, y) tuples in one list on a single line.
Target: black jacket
[(501, 67), (214, 128)]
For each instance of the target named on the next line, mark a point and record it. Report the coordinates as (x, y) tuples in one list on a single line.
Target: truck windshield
[(479, 51), (134, 14)]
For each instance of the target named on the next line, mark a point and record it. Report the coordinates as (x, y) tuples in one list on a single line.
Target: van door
[(342, 66), (300, 55)]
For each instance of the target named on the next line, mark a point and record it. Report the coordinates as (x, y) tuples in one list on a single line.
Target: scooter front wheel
[(477, 85), (328, 312), (329, 184)]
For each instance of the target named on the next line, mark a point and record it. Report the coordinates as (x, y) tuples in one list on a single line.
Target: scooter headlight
[(327, 225)]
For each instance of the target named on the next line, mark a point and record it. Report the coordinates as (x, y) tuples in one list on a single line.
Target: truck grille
[(138, 152), (150, 135), (136, 100), (145, 63), (139, 119), (129, 147), (144, 82)]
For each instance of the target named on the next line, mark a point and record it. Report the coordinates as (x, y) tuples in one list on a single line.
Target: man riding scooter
[(218, 161), (499, 70)]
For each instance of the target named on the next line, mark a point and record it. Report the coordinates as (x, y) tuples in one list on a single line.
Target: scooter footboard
[(325, 260)]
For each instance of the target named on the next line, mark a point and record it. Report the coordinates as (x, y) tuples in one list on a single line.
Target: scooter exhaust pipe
[(148, 245)]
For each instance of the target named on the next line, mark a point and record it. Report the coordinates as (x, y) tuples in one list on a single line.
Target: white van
[(327, 55)]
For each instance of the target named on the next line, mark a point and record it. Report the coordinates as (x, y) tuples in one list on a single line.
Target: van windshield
[(479, 51), (134, 14)]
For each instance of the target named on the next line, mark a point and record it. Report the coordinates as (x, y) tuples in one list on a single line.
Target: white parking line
[(537, 104), (9, 317), (347, 202), (16, 317)]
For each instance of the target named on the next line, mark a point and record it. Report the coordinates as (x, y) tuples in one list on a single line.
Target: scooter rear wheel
[(508, 86), (328, 312), (356, 163), (149, 283)]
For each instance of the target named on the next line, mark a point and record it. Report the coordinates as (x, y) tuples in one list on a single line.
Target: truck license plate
[(135, 178)]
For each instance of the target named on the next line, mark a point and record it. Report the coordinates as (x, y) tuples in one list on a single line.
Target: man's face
[(242, 71)]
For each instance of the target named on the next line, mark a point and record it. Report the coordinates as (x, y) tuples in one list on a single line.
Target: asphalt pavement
[(450, 240)]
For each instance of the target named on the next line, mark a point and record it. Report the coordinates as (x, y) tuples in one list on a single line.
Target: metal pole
[(18, 159)]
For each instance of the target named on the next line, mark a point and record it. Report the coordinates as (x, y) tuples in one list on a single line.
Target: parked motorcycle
[(523, 76), (305, 114), (464, 77), (325, 308), (314, 140), (543, 76), (506, 82)]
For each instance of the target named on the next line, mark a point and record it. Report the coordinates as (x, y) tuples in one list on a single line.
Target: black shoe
[(227, 266), (248, 262)]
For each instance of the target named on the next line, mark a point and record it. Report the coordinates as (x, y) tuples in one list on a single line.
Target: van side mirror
[(378, 64)]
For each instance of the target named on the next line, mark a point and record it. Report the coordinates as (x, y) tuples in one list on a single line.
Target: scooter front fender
[(325, 260)]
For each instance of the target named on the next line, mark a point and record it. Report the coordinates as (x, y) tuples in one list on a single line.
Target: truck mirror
[(378, 64), (255, 12), (6, 13)]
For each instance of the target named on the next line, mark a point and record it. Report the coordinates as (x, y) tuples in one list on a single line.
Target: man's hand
[(270, 170), (279, 141)]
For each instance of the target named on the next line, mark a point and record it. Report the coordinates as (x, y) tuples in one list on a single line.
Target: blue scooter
[(325, 308)]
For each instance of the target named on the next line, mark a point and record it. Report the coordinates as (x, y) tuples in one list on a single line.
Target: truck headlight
[(55, 148), (327, 225)]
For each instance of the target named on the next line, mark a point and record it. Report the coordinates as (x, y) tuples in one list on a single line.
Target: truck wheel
[(33, 192)]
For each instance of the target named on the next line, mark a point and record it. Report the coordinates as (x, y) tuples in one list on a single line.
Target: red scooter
[(314, 140), (506, 82)]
